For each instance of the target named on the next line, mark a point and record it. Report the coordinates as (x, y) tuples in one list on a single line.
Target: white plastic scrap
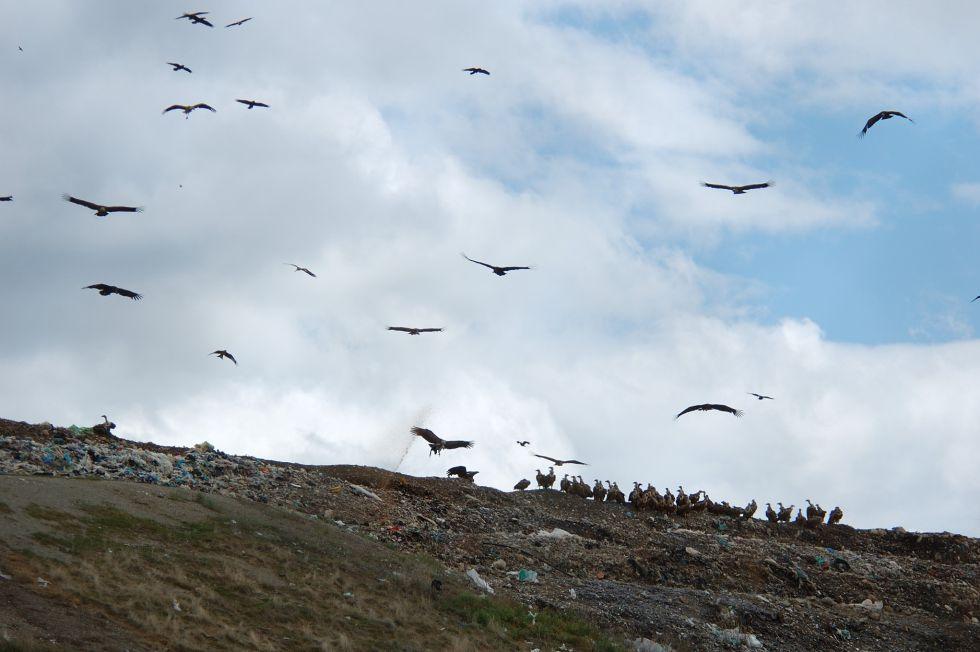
[(735, 637), (556, 533), (479, 581), (646, 645), (361, 491)]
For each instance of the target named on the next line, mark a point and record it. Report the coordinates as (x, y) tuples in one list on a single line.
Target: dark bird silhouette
[(836, 514), (238, 22), (709, 406), (301, 269), (499, 271), (522, 444), (522, 485), (461, 472), (760, 396), (179, 66), (20, 48), (188, 108), (100, 210), (252, 103), (884, 115), (414, 331), (738, 190), (195, 17), (559, 462), (105, 428), (221, 353), (7, 198), (977, 297), (436, 443), (474, 71), (106, 290)]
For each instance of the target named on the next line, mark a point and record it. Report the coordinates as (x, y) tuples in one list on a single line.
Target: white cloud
[(968, 192)]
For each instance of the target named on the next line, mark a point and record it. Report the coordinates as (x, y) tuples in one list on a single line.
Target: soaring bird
[(7, 198), (238, 22), (221, 353), (499, 271), (738, 190), (301, 269), (522, 444), (100, 210), (106, 290), (414, 331), (438, 444), (252, 103), (709, 406), (188, 108), (559, 462), (760, 396), (884, 115), (195, 17), (179, 66), (474, 71)]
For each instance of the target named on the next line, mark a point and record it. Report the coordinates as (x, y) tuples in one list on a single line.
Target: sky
[(843, 291)]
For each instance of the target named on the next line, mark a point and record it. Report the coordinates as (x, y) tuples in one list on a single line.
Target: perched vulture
[(522, 485), (105, 428), (414, 331), (760, 396), (100, 210), (252, 103), (195, 17), (7, 198), (499, 271), (522, 444), (474, 71), (738, 190), (884, 115), (461, 472), (188, 108), (301, 269), (709, 406), (836, 514), (106, 290), (436, 443), (221, 353), (238, 22), (179, 66), (559, 462)]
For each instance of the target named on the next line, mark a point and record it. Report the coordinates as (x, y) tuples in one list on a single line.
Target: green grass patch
[(49, 514)]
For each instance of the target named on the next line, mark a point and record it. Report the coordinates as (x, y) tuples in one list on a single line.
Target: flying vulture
[(179, 66), (884, 115), (436, 443), (759, 396), (100, 210), (499, 271), (414, 331), (461, 472), (188, 108), (474, 71), (252, 103), (221, 353), (301, 269), (106, 290), (522, 444), (977, 297), (239, 22), (559, 462), (7, 198), (738, 190), (195, 17), (709, 406)]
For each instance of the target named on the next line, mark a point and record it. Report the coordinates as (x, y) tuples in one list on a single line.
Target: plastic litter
[(361, 491), (646, 645), (479, 581), (735, 638), (526, 575), (556, 533)]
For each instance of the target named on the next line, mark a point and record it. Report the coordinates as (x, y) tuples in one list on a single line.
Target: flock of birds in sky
[(436, 444)]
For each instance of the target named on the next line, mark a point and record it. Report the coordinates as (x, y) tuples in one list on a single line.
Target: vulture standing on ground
[(836, 514), (238, 23), (771, 514), (474, 71), (438, 444), (759, 396), (104, 428), (301, 269), (709, 406), (414, 331), (522, 485), (187, 108), (252, 103), (7, 198), (221, 353), (738, 190), (100, 210), (179, 66), (499, 271), (559, 462), (106, 290), (884, 115)]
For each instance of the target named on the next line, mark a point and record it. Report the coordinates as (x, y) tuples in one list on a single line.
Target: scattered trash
[(572, 594), (556, 533), (43, 583), (499, 564), (870, 605), (843, 634), (646, 645), (348, 594), (526, 575), (176, 605), (361, 491), (5, 577), (479, 581), (735, 638), (204, 447), (692, 552)]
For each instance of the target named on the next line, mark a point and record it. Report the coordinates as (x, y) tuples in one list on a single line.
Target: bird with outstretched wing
[(759, 396), (499, 271), (709, 406), (414, 331), (738, 190), (884, 115), (559, 462), (436, 443), (101, 210), (106, 290)]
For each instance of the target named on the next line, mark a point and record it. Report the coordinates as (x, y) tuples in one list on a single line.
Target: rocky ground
[(699, 582)]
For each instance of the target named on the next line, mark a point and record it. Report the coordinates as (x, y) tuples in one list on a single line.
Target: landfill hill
[(177, 548)]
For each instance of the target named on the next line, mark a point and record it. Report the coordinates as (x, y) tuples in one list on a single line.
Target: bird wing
[(238, 22), (978, 297), (429, 330), (7, 198), (82, 202), (753, 394), (755, 186), (175, 65), (457, 443), (128, 293), (689, 409), (400, 328), (123, 209), (427, 435), (232, 358), (476, 261), (870, 123), (202, 105), (202, 20), (308, 272), (243, 101), (717, 186), (260, 104), (98, 286), (724, 408), (511, 269), (901, 115), (174, 106), (574, 462), (550, 459)]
